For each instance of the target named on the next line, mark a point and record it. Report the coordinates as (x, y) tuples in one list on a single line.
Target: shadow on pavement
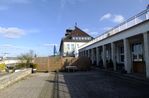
[(95, 85)]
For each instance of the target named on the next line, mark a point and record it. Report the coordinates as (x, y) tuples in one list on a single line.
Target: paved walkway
[(98, 85), (92, 84), (2, 74), (29, 87)]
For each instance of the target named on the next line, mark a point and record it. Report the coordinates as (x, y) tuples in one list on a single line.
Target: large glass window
[(137, 53), (108, 54), (121, 54)]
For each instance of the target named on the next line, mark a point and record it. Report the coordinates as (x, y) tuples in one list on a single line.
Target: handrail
[(139, 18)]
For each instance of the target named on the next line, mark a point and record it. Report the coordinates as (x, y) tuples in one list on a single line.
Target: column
[(97, 56), (127, 56), (146, 52), (113, 55), (104, 56)]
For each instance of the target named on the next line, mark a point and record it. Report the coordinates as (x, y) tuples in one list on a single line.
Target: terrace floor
[(91, 84)]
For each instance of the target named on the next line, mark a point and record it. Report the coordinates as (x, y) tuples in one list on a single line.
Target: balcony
[(137, 19)]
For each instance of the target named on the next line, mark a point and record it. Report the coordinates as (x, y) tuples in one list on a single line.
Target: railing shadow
[(55, 91)]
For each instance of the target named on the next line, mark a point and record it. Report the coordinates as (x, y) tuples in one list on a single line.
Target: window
[(121, 54), (108, 54), (77, 38), (78, 45), (73, 38), (137, 53), (72, 46), (89, 38), (68, 46)]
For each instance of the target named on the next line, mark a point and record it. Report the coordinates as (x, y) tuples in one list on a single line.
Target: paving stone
[(93, 84)]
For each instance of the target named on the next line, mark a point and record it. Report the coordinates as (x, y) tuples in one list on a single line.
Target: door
[(137, 58)]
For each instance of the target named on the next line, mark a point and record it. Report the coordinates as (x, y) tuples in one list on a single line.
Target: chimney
[(68, 31)]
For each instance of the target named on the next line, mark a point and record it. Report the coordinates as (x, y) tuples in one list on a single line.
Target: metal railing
[(139, 18)]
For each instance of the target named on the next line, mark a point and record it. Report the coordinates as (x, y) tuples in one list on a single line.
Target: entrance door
[(137, 58)]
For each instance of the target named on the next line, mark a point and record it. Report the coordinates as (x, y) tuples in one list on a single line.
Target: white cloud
[(113, 17), (118, 18), (12, 32), (15, 32), (106, 16)]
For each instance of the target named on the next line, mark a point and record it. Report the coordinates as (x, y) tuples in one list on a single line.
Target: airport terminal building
[(123, 48)]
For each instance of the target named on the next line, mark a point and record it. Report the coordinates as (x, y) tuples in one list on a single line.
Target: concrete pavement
[(29, 87), (92, 84)]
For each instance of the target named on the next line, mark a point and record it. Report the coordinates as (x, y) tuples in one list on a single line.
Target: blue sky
[(39, 24)]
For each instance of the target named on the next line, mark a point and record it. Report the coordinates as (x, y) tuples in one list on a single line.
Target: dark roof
[(77, 32)]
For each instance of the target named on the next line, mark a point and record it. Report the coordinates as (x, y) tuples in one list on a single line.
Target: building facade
[(74, 38), (124, 47)]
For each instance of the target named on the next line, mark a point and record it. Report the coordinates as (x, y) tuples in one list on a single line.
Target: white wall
[(138, 29), (10, 62), (76, 46)]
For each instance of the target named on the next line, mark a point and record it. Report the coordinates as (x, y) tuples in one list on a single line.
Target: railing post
[(147, 14), (126, 25), (135, 20), (119, 28)]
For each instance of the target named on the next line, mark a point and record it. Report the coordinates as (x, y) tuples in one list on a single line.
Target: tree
[(26, 59), (54, 50)]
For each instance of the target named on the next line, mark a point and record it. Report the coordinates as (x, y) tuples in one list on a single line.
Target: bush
[(24, 65), (21, 65), (2, 67), (32, 65)]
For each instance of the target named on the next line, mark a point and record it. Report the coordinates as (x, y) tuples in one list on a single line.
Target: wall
[(42, 63), (12, 78), (136, 30), (59, 63), (76, 44)]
